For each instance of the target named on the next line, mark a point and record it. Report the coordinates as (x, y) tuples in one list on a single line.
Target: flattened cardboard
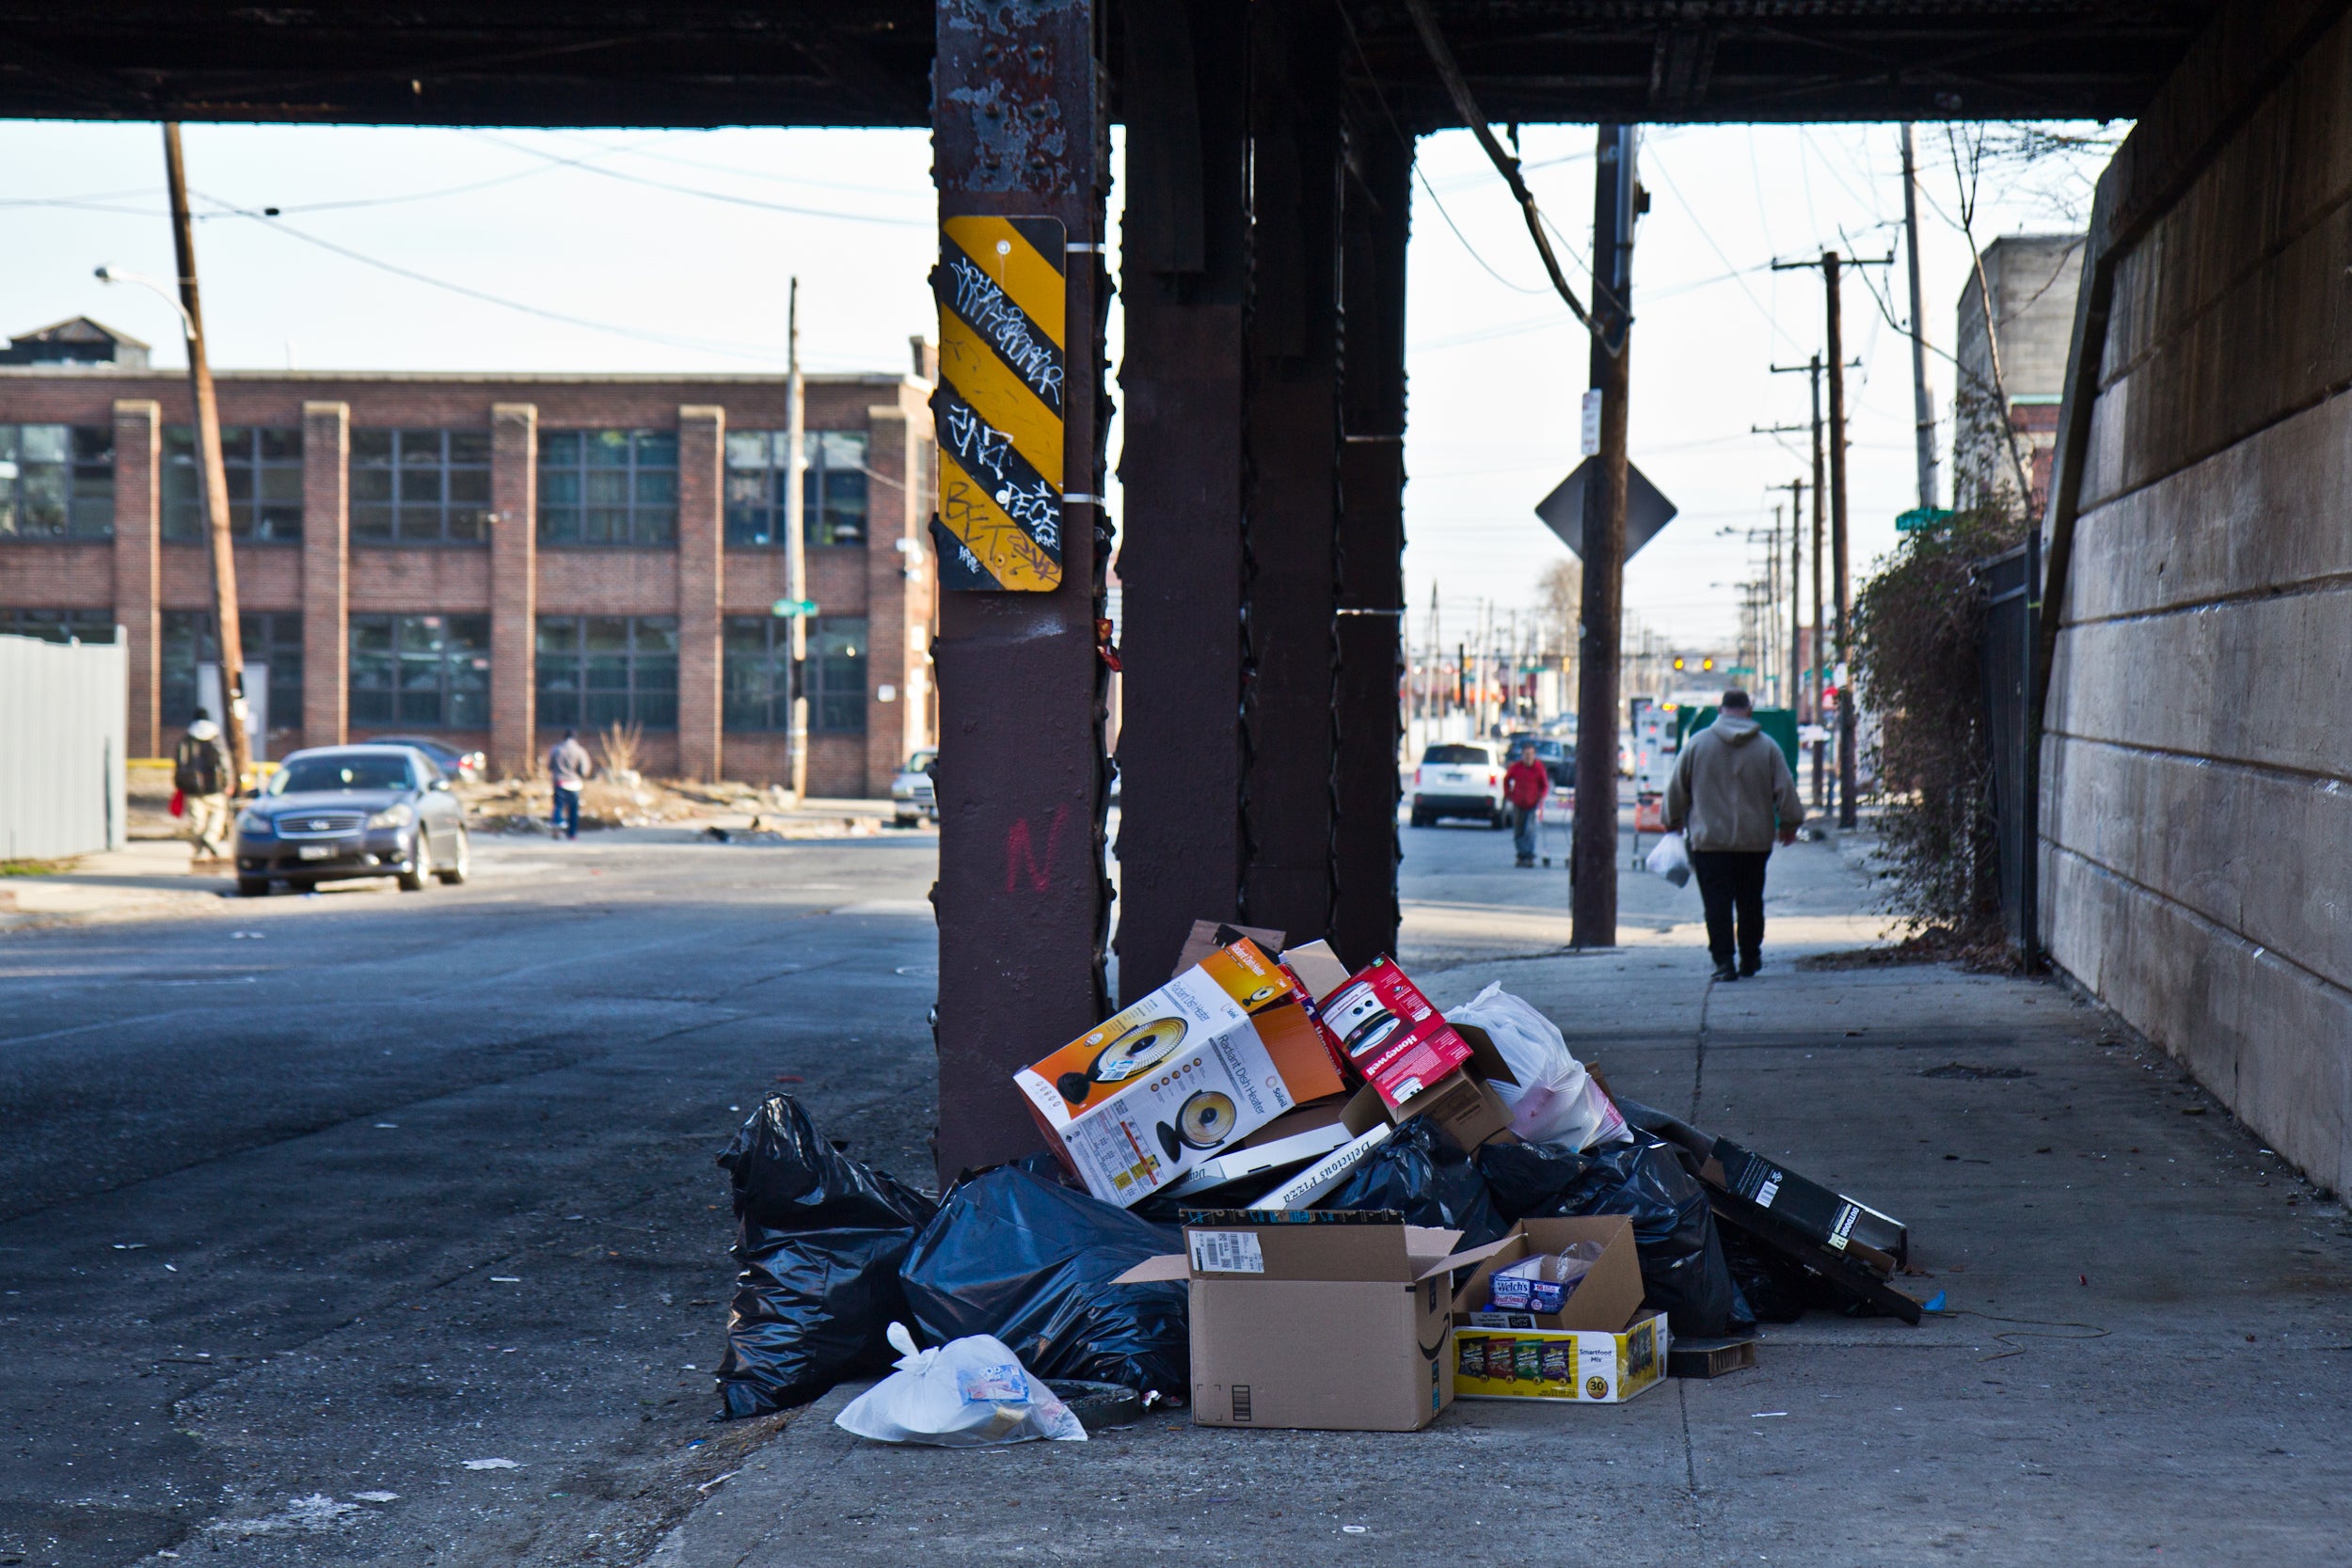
[(1570, 1367), (1204, 941), (1258, 1156), (1303, 1189), (1317, 966), (1612, 1291)]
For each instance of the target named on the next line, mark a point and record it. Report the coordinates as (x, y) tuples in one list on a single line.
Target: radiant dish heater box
[(1157, 1087), (1332, 1323)]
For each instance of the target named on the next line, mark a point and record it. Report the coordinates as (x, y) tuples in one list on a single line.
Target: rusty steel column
[(1377, 205), (1184, 87), (1290, 568), (1019, 131)]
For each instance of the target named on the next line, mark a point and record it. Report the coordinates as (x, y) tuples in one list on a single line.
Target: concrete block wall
[(2197, 770), (327, 577)]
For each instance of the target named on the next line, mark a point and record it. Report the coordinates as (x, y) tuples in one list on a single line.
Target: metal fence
[(64, 719), (2005, 661)]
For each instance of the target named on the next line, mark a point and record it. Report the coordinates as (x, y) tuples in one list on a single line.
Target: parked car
[(461, 767), (334, 813), (1458, 781), (1558, 757), (912, 796)]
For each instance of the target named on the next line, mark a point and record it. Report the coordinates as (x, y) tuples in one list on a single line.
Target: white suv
[(1458, 781)]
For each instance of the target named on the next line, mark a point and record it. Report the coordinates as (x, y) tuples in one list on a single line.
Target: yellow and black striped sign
[(999, 407)]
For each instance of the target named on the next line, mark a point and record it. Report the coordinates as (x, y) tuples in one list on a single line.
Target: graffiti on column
[(999, 408)]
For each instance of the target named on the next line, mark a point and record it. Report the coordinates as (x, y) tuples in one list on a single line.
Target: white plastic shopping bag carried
[(1555, 1100), (967, 1393), (1671, 859)]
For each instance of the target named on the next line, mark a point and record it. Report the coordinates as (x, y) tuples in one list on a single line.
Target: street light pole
[(213, 480), (796, 547)]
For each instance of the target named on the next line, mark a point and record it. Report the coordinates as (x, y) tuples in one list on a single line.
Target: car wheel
[(253, 887), (1421, 818), (455, 875), (1500, 819), (906, 821), (420, 865)]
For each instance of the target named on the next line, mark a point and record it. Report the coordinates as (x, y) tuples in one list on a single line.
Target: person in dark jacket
[(1731, 794), (199, 771)]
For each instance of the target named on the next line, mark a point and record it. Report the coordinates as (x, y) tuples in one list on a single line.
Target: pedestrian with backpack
[(199, 771)]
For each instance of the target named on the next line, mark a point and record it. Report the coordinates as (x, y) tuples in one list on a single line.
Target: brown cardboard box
[(1334, 1322), (1609, 1296)]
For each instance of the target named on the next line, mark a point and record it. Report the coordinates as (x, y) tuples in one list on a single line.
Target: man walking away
[(1731, 794), (199, 771), (568, 767), (1525, 784)]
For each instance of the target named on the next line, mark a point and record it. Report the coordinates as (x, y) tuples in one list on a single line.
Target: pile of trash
[(1262, 1147)]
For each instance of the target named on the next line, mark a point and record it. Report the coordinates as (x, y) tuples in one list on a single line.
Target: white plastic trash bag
[(967, 1393), (1671, 859), (1555, 1100)]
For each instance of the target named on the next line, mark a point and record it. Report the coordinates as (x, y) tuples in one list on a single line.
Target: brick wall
[(328, 578)]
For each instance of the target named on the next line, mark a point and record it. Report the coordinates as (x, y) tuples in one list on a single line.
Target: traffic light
[(1706, 664)]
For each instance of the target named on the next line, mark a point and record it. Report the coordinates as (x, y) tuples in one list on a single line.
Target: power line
[(729, 199)]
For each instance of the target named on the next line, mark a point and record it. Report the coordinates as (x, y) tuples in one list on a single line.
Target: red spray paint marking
[(1020, 852)]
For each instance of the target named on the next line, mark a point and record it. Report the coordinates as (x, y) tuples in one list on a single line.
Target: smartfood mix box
[(1160, 1086)]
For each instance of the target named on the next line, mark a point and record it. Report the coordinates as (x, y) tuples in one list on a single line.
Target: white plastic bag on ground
[(967, 1393), (1671, 859), (1555, 1100)]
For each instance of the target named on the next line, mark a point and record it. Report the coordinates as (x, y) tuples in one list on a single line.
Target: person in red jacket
[(1524, 786)]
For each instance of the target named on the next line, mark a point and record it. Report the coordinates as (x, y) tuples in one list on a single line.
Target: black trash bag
[(819, 1238), (1420, 1173), (1695, 1145), (1776, 1287), (1015, 1254), (1684, 1273)]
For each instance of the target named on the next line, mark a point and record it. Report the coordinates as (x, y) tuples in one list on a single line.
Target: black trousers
[(1732, 884)]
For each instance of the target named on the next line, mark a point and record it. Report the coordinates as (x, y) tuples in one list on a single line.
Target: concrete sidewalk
[(2148, 1348)]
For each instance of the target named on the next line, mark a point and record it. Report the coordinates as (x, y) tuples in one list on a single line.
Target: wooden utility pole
[(1796, 596), (796, 544), (1846, 815), (1593, 874), (1923, 405), (1821, 494), (212, 478)]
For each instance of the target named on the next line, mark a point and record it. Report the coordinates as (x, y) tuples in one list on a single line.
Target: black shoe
[(1749, 966), (1724, 972)]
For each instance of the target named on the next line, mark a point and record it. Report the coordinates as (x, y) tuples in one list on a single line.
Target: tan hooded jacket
[(1731, 787)]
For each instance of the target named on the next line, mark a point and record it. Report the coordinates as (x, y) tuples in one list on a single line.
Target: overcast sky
[(503, 251)]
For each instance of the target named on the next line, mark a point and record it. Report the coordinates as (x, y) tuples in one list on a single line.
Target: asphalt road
[(323, 1197), (309, 1205)]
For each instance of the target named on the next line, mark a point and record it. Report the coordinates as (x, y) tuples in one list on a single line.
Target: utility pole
[(1923, 407), (1796, 597), (1846, 815), (1593, 861), (212, 478), (1820, 494), (796, 546)]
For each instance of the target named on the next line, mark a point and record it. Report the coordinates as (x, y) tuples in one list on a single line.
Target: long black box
[(1831, 1219)]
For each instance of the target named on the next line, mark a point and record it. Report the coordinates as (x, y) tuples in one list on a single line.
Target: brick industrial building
[(487, 558)]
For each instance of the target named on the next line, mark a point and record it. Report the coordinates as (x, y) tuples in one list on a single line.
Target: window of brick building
[(268, 637), (263, 470), (430, 671), (599, 670), (420, 486), (758, 680), (56, 481), (59, 626), (833, 488), (608, 488)]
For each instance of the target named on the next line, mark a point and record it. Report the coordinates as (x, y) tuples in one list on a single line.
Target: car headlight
[(254, 825), (393, 816)]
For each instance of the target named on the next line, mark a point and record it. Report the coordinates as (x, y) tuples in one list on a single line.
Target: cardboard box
[(1332, 1322), (1573, 1367), (1829, 1218), (1157, 1087), (1607, 1299), (1207, 936), (1391, 1034), (1258, 1155)]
